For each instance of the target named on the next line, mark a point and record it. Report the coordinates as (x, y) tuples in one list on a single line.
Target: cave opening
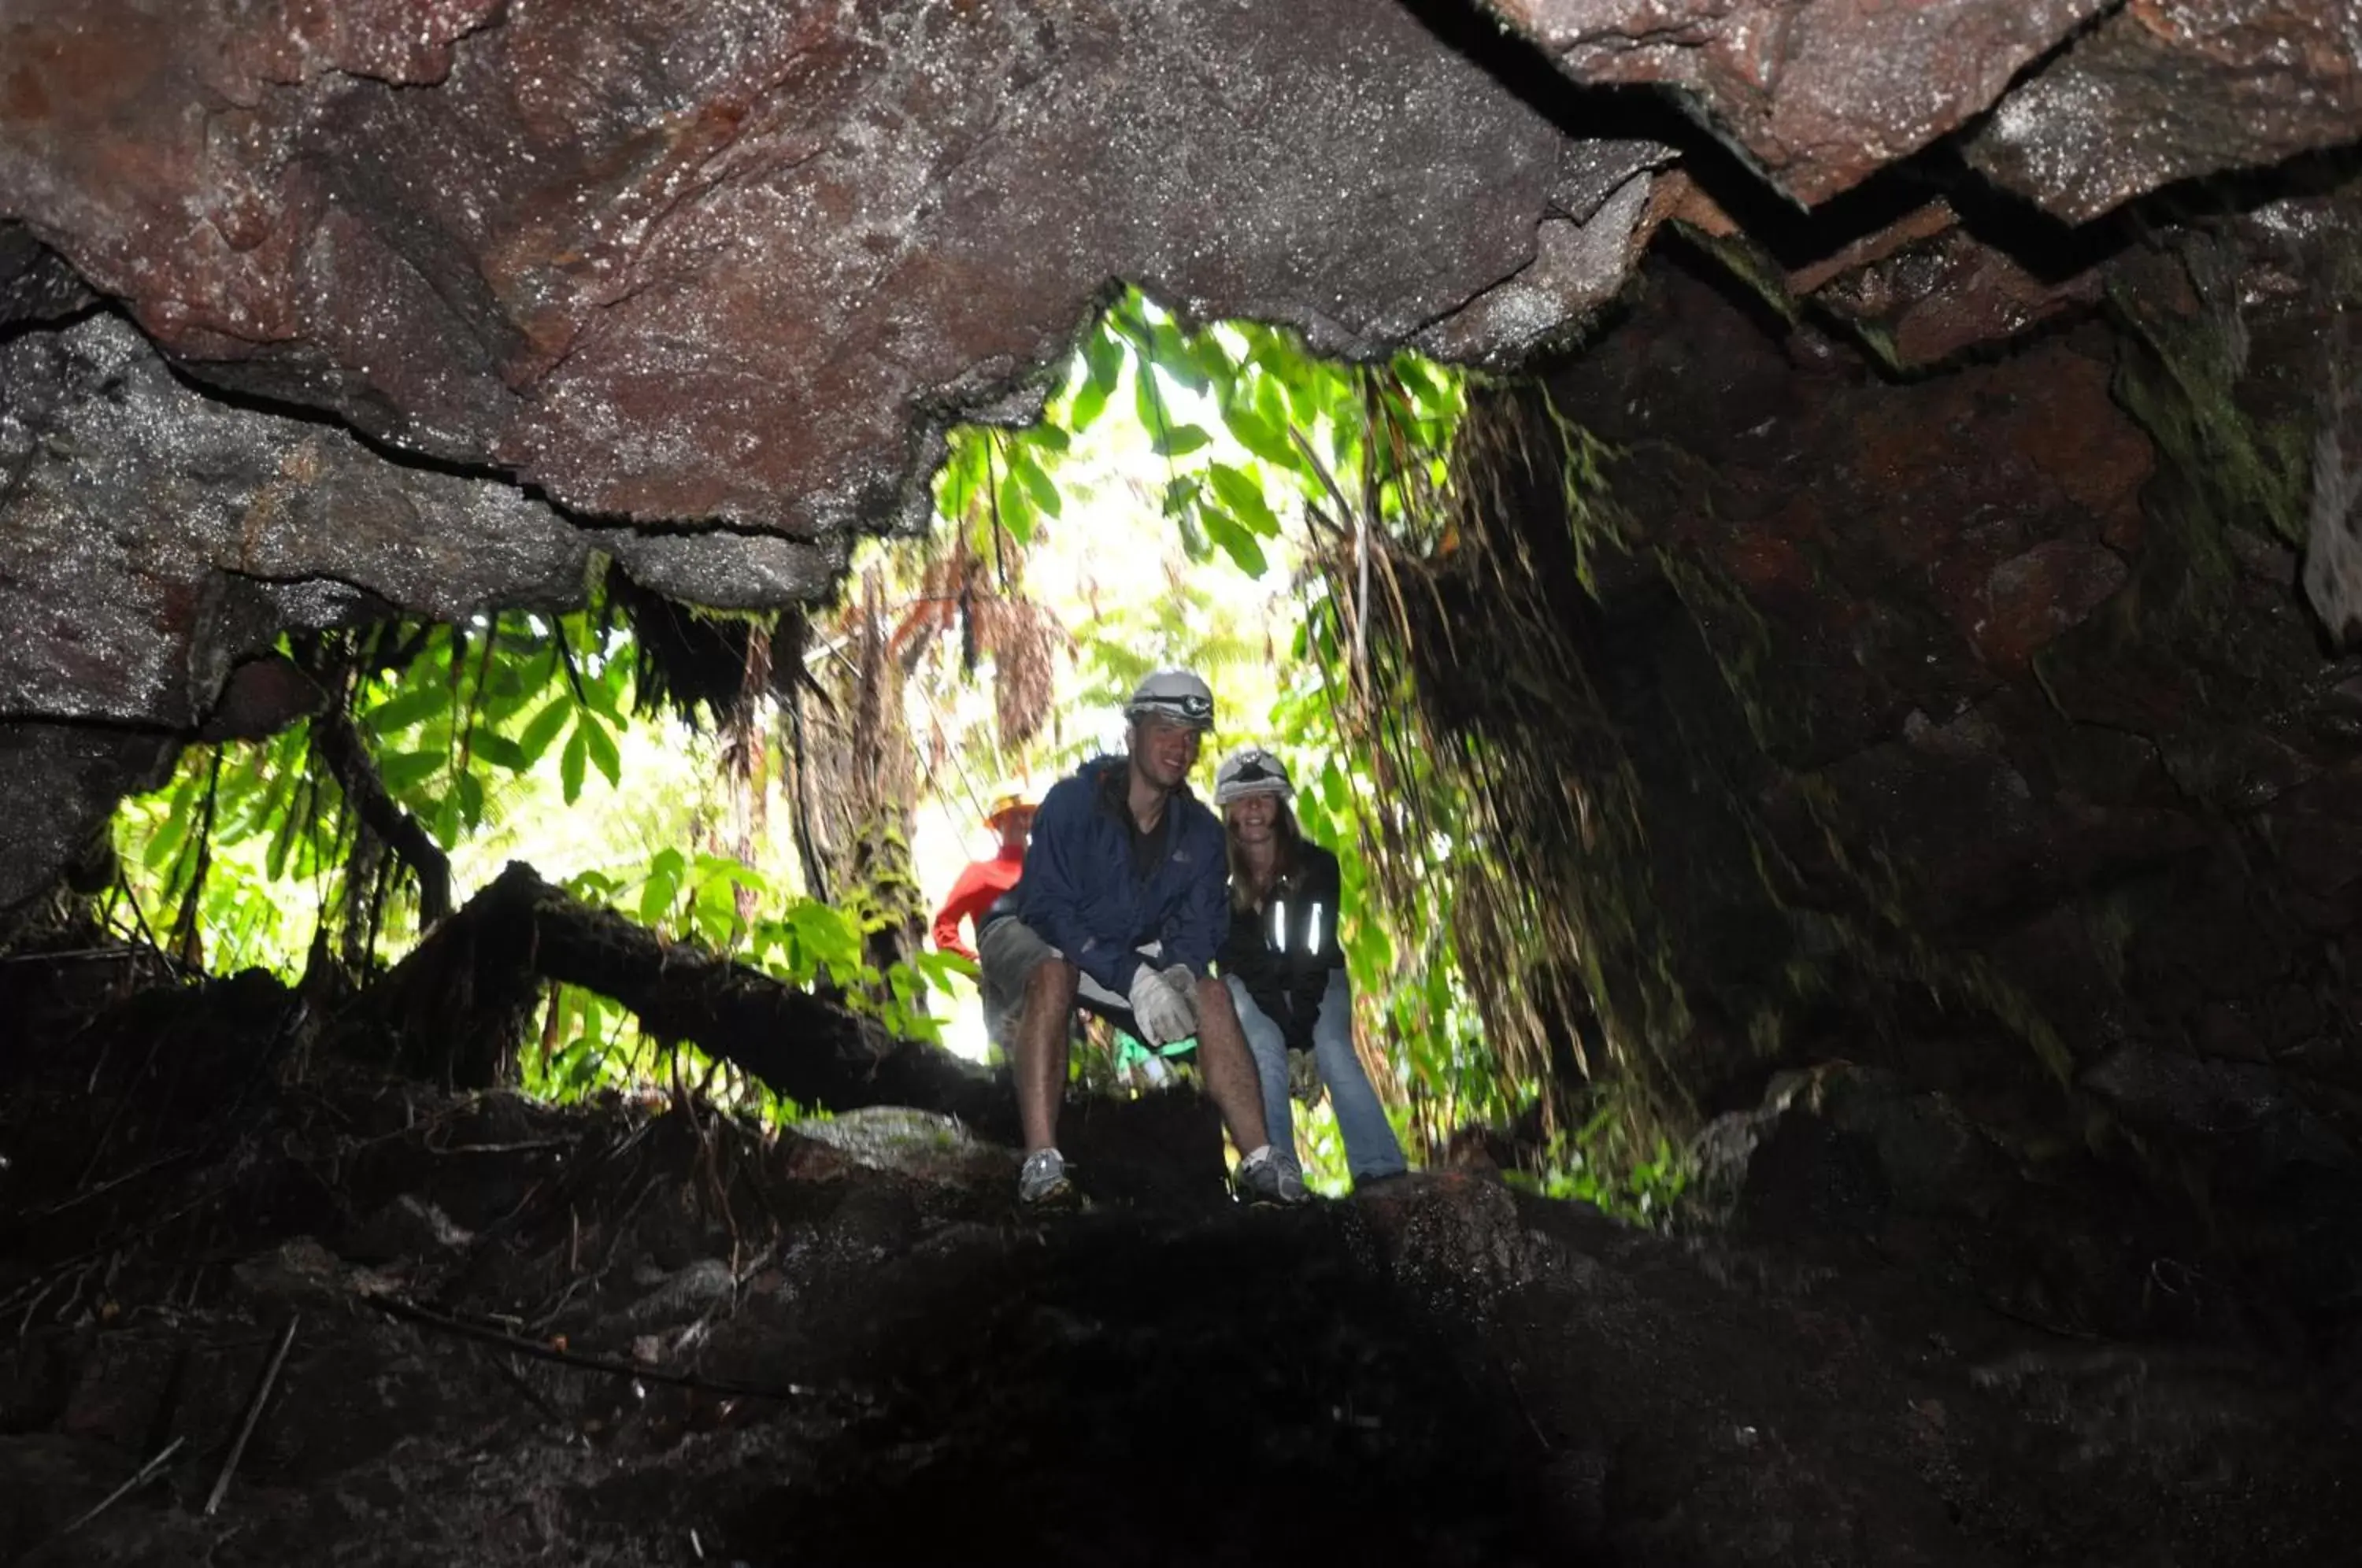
[(688, 769), (1810, 583)]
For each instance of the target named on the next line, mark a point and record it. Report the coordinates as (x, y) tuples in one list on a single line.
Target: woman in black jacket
[(1284, 968)]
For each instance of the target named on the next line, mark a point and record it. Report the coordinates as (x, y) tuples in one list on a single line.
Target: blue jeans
[(1369, 1147)]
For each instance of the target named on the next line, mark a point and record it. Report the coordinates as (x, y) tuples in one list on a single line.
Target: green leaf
[(404, 709), (1179, 441), (1234, 540), (501, 752), (509, 687), (1037, 484), (602, 688), (469, 790), (1017, 513), (1242, 494), (403, 771), (602, 744), (570, 764), (1045, 436), (591, 886), (1103, 357), (1181, 496), (716, 908), (1211, 359), (1148, 402), (709, 866), (1172, 357), (274, 861), (963, 473), (828, 937), (1265, 436), (169, 834), (658, 893), (543, 729), (1090, 401)]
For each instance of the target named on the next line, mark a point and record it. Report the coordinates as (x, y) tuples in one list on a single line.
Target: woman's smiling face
[(1252, 818)]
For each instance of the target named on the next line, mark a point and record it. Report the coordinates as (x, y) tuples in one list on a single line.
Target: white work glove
[(1160, 1008)]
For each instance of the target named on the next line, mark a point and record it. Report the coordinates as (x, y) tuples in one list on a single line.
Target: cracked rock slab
[(151, 536), (712, 265), (1819, 94), (2172, 90)]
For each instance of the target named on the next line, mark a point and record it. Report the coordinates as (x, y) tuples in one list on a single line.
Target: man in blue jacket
[(1125, 900)]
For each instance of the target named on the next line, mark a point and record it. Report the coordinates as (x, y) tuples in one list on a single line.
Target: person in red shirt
[(1011, 817)]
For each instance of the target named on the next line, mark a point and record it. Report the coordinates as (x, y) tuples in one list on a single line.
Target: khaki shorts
[(1008, 951)]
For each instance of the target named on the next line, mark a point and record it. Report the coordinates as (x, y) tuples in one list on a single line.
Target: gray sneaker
[(1268, 1176), (1044, 1183)]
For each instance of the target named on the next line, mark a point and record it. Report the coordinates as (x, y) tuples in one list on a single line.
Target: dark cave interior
[(1950, 648)]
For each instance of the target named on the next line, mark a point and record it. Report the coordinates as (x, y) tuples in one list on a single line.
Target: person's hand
[(1184, 986), (1304, 1078), (1162, 1012)]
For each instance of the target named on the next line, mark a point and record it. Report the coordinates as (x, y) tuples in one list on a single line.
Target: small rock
[(408, 1227), (687, 1293), (301, 1271)]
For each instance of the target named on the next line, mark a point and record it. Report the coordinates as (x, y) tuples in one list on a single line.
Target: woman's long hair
[(1245, 896)]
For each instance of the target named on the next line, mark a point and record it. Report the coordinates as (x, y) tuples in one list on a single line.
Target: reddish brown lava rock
[(1947, 294), (1822, 92), (2032, 597), (715, 266)]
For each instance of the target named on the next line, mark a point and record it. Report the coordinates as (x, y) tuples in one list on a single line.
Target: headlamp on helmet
[(1249, 770), (1174, 694)]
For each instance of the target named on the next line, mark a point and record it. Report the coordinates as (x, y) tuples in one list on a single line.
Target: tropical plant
[(1304, 516)]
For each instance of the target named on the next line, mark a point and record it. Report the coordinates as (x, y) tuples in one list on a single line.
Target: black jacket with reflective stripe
[(1284, 952)]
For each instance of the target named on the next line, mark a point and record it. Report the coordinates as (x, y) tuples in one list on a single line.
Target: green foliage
[(1641, 1181), (249, 848), (1266, 456), (1278, 474), (246, 840)]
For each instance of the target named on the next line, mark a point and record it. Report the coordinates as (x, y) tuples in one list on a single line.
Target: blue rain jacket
[(1079, 895)]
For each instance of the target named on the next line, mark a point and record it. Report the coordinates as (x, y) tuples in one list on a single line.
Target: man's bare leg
[(1042, 1041), (1229, 1067)]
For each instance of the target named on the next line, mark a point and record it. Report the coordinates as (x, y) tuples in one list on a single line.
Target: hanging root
[(339, 745), (1485, 768)]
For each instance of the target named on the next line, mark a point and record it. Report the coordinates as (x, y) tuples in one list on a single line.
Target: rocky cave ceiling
[(313, 311)]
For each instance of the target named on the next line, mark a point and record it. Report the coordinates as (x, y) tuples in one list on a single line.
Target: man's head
[(1011, 815), (1170, 713)]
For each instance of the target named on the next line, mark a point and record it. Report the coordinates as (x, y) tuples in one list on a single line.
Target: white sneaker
[(1044, 1183), (1268, 1176)]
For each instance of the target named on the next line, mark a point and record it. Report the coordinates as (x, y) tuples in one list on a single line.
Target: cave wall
[(447, 300), (726, 262), (433, 305), (1972, 728)]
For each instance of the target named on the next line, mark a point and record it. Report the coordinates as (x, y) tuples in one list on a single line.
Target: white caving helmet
[(1249, 770), (1174, 694)]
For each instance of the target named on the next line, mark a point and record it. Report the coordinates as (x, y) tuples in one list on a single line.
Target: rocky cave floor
[(626, 1334)]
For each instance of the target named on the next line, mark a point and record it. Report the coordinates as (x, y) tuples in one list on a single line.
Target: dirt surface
[(637, 1334)]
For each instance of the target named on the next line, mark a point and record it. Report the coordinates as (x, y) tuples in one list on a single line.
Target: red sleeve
[(969, 897)]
